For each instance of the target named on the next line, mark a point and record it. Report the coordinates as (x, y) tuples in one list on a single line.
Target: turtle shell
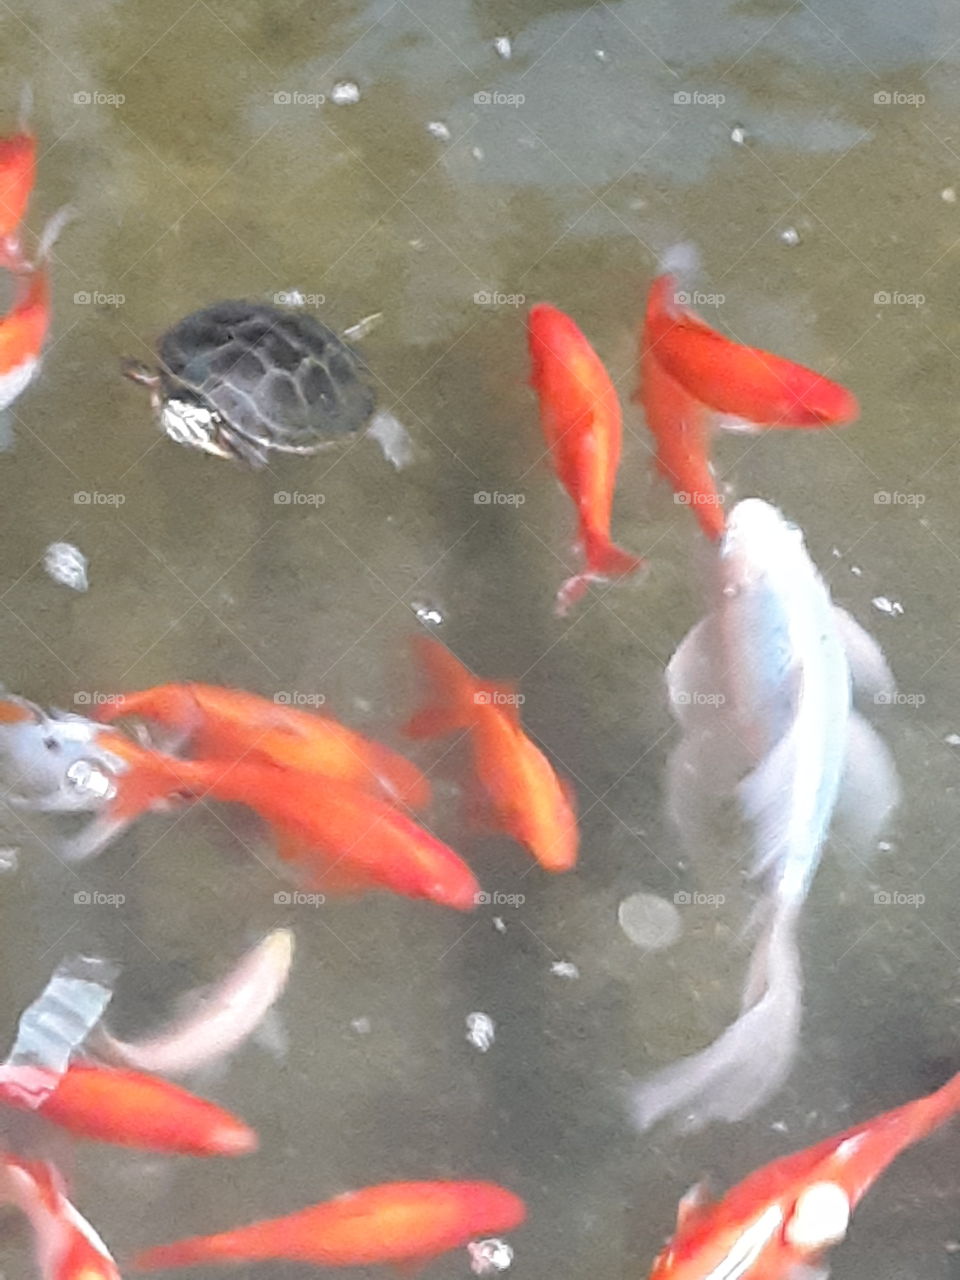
[(275, 378)]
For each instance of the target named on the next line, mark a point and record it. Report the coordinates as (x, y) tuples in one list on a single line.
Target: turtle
[(244, 379)]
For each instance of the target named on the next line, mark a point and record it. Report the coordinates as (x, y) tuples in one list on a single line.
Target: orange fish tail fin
[(452, 692), (605, 560), (183, 1253)]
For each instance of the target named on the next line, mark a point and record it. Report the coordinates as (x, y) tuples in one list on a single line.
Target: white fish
[(762, 689), (218, 1020), (63, 1015)]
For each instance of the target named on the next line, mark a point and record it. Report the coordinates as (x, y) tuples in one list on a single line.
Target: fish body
[(528, 799), (126, 1108), (231, 724), (732, 378), (762, 689), (219, 1020), (778, 1223), (18, 163), (582, 423), (65, 1244), (397, 1222), (45, 757), (23, 330), (680, 424)]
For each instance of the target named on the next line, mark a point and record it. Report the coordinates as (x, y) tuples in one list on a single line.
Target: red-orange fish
[(23, 330), (731, 378), (230, 724), (65, 1244), (126, 1108), (398, 1222), (778, 1223), (528, 799), (581, 420), (339, 838), (18, 160), (680, 425)]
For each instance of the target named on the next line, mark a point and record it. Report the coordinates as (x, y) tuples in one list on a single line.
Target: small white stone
[(949, 195), (503, 46), (481, 1031), (856, 570), (884, 846), (477, 153), (738, 135), (9, 860), (564, 969), (361, 1026), (67, 565), (952, 739), (649, 922), (439, 130), (886, 605), (790, 236), (489, 1256), (499, 925), (601, 55), (427, 613), (345, 93)]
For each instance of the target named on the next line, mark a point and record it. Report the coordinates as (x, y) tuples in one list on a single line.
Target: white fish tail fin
[(748, 1063)]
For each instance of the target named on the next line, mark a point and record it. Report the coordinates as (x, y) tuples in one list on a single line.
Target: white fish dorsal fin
[(820, 1218), (869, 670), (763, 798), (696, 683), (393, 438), (870, 788), (702, 771)]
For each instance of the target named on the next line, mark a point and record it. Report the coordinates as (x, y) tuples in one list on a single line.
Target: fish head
[(757, 542)]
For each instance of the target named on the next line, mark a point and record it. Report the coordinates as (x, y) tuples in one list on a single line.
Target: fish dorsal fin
[(868, 667), (820, 1217), (869, 790), (693, 1204)]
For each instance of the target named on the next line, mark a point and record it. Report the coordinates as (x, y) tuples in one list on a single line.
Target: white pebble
[(428, 613), (649, 922), (477, 153), (361, 1026), (439, 130), (601, 55), (738, 135), (9, 860), (499, 925), (345, 93), (949, 195), (488, 1256), (856, 570), (67, 565), (481, 1031), (364, 326), (503, 46), (790, 236), (886, 605), (564, 969), (952, 739)]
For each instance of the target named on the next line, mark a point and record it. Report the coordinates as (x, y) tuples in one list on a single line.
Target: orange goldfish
[(66, 1245), (229, 724), (126, 1108), (581, 420), (529, 800), (18, 159), (23, 330), (398, 1222), (339, 838), (731, 378), (680, 424), (778, 1223)]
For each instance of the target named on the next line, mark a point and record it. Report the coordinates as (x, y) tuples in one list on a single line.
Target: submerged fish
[(230, 724), (731, 378), (398, 1222), (23, 330), (762, 690), (581, 420), (65, 1244), (18, 164), (528, 799), (219, 1019), (778, 1223)]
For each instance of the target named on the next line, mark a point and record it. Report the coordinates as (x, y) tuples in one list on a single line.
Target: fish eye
[(51, 744)]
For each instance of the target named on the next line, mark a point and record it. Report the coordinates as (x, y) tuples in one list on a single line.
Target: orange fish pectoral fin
[(169, 704), (449, 705), (694, 1204)]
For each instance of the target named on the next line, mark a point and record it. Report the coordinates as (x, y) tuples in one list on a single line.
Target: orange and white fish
[(338, 838), (23, 330), (778, 1223), (396, 1222), (126, 1108), (230, 724), (529, 800), (219, 1020), (65, 1244), (581, 420), (760, 388), (680, 424)]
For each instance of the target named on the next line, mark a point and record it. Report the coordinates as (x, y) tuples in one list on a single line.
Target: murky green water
[(215, 177)]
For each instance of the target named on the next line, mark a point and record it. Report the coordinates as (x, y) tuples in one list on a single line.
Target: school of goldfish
[(345, 815)]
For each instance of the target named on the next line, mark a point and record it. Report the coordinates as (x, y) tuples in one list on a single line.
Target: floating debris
[(885, 605), (949, 195), (481, 1031), (9, 860), (364, 326), (67, 565), (649, 922), (488, 1256), (503, 46), (427, 613), (477, 153), (499, 925), (952, 739), (439, 130), (738, 135), (345, 93), (856, 570), (361, 1026), (564, 969), (789, 236), (601, 55)]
